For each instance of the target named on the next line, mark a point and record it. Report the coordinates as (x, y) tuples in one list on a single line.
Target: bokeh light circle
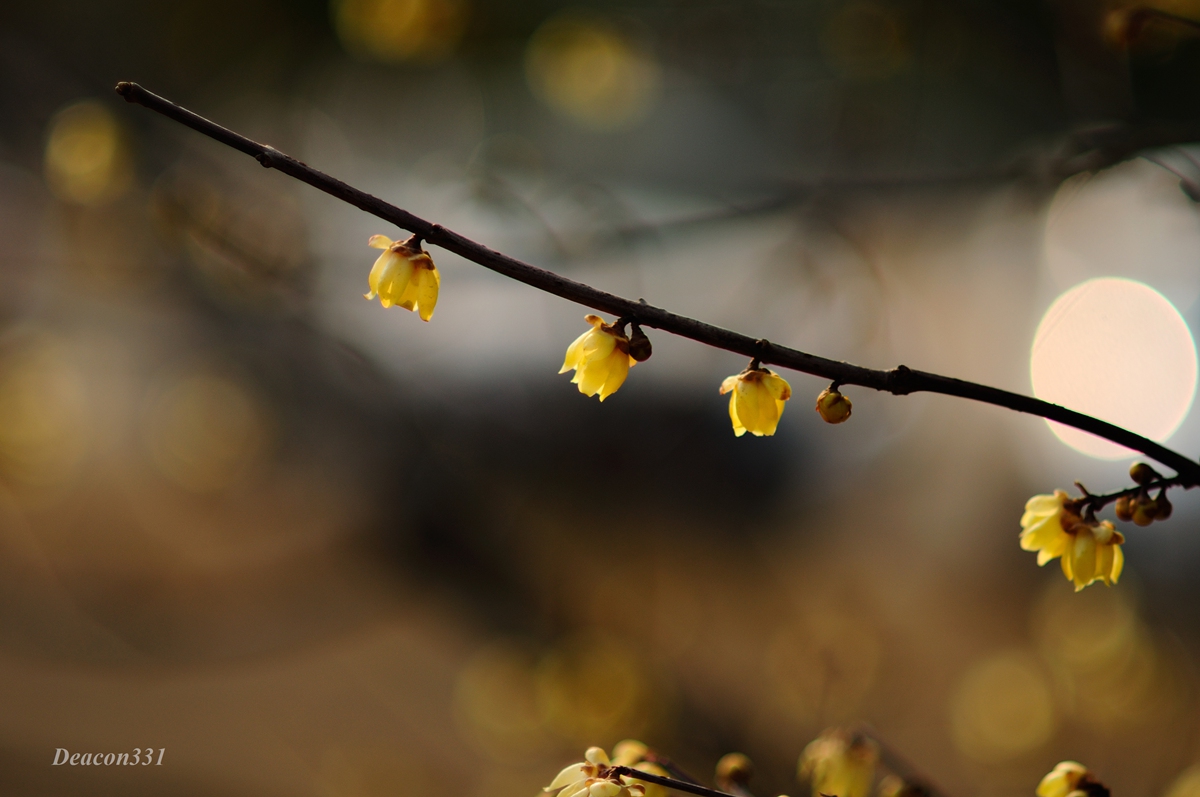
[(1118, 350)]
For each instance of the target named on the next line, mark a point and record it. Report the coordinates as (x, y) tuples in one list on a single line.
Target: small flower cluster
[(1090, 550), (1058, 526)]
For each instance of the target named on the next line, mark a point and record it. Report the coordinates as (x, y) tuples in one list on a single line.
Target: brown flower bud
[(833, 406), (734, 769), (1124, 508), (1145, 511), (639, 345), (1142, 473), (1164, 506)]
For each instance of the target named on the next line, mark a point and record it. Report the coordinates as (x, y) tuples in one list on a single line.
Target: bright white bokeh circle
[(1118, 350), (1128, 221)]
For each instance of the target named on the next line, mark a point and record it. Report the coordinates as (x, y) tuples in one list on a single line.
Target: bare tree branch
[(899, 381)]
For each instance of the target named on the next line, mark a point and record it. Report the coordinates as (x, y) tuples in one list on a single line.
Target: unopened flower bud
[(1124, 508), (833, 406), (1145, 511), (1164, 506), (734, 769), (639, 345), (1142, 473)]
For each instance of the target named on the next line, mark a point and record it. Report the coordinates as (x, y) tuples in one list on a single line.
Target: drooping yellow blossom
[(1090, 551), (404, 275), (594, 776), (839, 763), (1062, 780), (757, 400), (600, 358)]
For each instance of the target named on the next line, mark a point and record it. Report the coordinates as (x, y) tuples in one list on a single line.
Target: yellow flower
[(600, 359), (757, 401), (1090, 551), (840, 763), (1062, 780), (1095, 555), (593, 777), (404, 275)]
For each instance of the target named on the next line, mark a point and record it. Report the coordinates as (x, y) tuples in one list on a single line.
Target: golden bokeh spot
[(1187, 784), (866, 41), (87, 160), (823, 669), (43, 416), (593, 687), (496, 703), (587, 70), (1089, 631), (1002, 708), (1111, 670), (205, 432), (394, 31)]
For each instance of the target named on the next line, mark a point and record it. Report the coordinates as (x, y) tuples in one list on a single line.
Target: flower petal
[(748, 399), (428, 283), (380, 242), (591, 376), (617, 371), (1118, 564), (778, 387), (738, 428), (598, 345), (569, 775), (1083, 559), (574, 353)]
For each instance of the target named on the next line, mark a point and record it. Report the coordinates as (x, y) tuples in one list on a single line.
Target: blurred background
[(313, 547)]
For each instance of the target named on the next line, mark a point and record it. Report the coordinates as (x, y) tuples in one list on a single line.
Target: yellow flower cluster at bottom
[(593, 777)]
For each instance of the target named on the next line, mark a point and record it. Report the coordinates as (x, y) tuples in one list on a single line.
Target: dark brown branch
[(899, 381)]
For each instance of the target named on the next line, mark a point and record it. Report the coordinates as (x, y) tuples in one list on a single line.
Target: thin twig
[(899, 381)]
